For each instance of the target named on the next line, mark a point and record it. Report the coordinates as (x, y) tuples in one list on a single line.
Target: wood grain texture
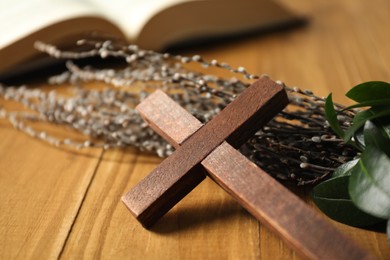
[(177, 175), (105, 229), (41, 191), (277, 208), (266, 199), (50, 205), (174, 125)]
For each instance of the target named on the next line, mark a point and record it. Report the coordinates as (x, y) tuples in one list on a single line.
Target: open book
[(151, 24)]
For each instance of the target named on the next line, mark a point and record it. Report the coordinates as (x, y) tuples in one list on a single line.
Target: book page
[(19, 18), (131, 15)]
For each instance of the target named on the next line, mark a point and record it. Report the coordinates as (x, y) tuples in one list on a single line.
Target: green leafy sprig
[(358, 194)]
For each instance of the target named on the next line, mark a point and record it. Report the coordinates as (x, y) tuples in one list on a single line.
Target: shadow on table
[(188, 218)]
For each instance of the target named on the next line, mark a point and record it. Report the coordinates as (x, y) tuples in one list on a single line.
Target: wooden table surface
[(58, 203)]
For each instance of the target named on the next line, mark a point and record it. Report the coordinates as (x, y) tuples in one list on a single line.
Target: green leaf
[(361, 118), (331, 116), (370, 103), (369, 91), (384, 124), (369, 183), (374, 136), (345, 169), (332, 198), (358, 136)]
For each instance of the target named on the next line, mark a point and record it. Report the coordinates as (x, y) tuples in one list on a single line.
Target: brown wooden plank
[(174, 123), (279, 209), (179, 173), (267, 200)]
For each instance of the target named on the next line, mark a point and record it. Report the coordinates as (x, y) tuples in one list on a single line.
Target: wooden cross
[(212, 147)]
